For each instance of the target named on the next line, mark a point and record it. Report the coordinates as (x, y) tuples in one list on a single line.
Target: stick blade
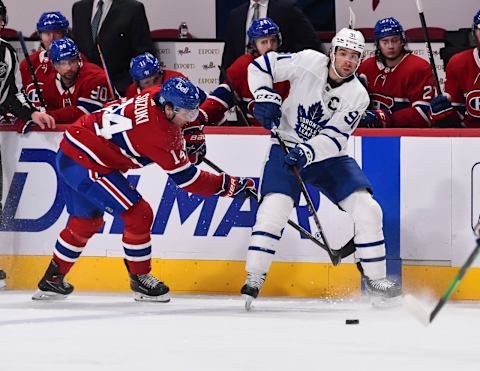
[(413, 305)]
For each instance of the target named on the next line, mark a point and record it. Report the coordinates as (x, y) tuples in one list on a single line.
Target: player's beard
[(70, 77)]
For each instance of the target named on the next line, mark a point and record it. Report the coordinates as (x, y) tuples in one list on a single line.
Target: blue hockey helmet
[(180, 93), (52, 21), (476, 21), (143, 66), (262, 27), (63, 49), (388, 27)]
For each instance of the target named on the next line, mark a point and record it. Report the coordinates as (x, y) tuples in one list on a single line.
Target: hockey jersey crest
[(310, 121)]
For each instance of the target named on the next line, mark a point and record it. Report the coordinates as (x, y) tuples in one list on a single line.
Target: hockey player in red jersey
[(146, 71), (76, 89), (460, 105), (51, 26), (93, 155), (264, 36), (400, 84)]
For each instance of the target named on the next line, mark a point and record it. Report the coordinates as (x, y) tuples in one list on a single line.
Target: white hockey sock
[(272, 216)]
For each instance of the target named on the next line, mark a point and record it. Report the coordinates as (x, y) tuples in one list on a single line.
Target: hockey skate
[(383, 292), (53, 285), (251, 288), (3, 279), (146, 287)]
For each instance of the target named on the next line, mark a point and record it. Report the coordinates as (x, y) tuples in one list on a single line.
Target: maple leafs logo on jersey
[(309, 123)]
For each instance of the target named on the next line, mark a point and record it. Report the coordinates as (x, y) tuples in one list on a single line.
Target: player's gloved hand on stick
[(440, 104), (300, 156), (196, 146), (237, 187), (377, 118), (442, 113), (267, 107), (441, 109)]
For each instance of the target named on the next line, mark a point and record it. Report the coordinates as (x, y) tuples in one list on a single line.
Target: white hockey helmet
[(350, 39)]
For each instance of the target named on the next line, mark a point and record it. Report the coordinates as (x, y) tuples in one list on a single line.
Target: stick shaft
[(242, 116), (31, 70), (429, 47), (107, 75), (304, 191), (456, 281), (345, 251)]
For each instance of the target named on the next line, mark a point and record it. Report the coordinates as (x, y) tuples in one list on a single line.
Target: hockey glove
[(440, 104), (196, 146), (377, 118), (442, 114), (267, 107), (300, 156), (237, 187)]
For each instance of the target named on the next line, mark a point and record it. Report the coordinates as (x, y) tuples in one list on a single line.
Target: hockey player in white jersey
[(323, 108)]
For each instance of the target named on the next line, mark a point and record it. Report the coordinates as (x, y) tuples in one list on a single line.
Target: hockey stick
[(352, 18), (236, 98), (346, 250), (107, 75), (429, 46), (32, 71), (304, 191), (416, 309)]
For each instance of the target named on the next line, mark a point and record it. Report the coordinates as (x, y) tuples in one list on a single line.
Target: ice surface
[(92, 331)]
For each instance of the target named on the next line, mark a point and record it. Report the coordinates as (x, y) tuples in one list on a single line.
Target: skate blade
[(48, 295), (385, 303), (3, 284), (248, 302), (165, 298), (413, 305)]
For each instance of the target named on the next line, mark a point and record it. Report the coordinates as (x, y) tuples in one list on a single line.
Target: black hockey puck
[(352, 321)]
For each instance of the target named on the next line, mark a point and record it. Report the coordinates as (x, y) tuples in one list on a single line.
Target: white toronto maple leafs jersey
[(314, 112)]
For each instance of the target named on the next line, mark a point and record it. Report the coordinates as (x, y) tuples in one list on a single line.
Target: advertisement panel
[(185, 226)]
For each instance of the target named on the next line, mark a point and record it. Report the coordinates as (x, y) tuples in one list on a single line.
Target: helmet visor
[(187, 114)]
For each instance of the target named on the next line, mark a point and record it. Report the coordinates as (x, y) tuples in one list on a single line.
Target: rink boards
[(427, 187)]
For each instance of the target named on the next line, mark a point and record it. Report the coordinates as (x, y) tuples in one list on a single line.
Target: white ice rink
[(112, 332)]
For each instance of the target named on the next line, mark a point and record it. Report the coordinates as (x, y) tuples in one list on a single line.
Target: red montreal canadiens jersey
[(133, 134), (134, 89), (88, 94), (405, 89), (42, 67), (220, 100), (463, 84)]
